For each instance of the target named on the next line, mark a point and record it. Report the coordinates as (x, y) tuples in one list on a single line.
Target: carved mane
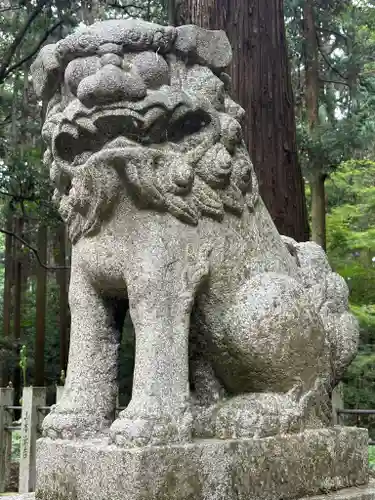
[(172, 137)]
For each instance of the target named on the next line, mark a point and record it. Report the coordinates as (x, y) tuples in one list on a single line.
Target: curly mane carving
[(138, 115)]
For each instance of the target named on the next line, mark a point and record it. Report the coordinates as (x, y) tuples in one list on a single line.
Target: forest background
[(304, 70)]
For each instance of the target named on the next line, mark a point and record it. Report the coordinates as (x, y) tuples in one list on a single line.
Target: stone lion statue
[(240, 332)]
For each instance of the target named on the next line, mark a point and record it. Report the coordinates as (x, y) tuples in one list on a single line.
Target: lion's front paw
[(73, 425), (155, 430)]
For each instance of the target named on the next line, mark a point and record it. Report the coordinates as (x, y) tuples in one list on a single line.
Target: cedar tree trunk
[(261, 83)]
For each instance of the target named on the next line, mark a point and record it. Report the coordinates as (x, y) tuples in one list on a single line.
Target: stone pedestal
[(24, 496), (357, 493), (362, 493), (276, 468)]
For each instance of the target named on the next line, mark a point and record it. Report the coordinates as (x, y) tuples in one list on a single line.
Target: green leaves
[(351, 227), (23, 363), (346, 44), (351, 249)]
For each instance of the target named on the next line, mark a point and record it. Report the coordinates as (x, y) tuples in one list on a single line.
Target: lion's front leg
[(160, 306), (87, 406)]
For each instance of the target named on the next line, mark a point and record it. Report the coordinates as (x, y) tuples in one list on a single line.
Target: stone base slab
[(283, 467), (366, 492), (361, 493), (18, 496)]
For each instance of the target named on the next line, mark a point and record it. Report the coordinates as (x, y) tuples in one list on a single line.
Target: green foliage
[(23, 364), (359, 390), (351, 227), (16, 446), (345, 33), (371, 457), (351, 249)]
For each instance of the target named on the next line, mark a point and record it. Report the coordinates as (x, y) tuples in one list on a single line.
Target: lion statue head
[(142, 110)]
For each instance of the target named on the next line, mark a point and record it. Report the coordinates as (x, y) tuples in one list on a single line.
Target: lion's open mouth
[(151, 124)]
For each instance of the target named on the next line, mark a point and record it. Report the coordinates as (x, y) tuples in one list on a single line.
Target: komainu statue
[(240, 332)]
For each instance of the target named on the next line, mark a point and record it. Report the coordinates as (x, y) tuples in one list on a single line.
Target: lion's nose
[(109, 85)]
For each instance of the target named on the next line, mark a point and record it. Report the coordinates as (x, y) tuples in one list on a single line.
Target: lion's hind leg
[(258, 415)]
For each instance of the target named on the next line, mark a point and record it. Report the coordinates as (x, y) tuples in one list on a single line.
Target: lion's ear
[(46, 72)]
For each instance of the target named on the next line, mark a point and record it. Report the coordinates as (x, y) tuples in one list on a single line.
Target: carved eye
[(188, 124)]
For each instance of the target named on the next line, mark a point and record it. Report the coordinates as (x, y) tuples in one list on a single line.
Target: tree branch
[(7, 9), (20, 36), (328, 62), (6, 121), (33, 250), (332, 32), (36, 48), (124, 7), (337, 82)]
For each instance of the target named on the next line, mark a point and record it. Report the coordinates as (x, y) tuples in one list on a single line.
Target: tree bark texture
[(318, 209), (316, 177), (7, 297), (311, 65), (91, 10), (261, 83), (17, 263), (41, 298), (17, 290)]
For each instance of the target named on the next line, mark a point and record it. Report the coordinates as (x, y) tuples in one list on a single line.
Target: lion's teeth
[(70, 129), (86, 124)]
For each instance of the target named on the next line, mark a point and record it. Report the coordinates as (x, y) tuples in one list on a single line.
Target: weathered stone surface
[(239, 331), (281, 467), (32, 398), (153, 69), (79, 69), (46, 71), (241, 334), (332, 300), (108, 85), (355, 493), (130, 34), (25, 496), (360, 493), (207, 47)]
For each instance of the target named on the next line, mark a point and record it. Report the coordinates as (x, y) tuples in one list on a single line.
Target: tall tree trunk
[(311, 65), (17, 289), (7, 297), (318, 209), (62, 280), (41, 297), (172, 12), (91, 10), (262, 85), (11, 262), (316, 177)]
